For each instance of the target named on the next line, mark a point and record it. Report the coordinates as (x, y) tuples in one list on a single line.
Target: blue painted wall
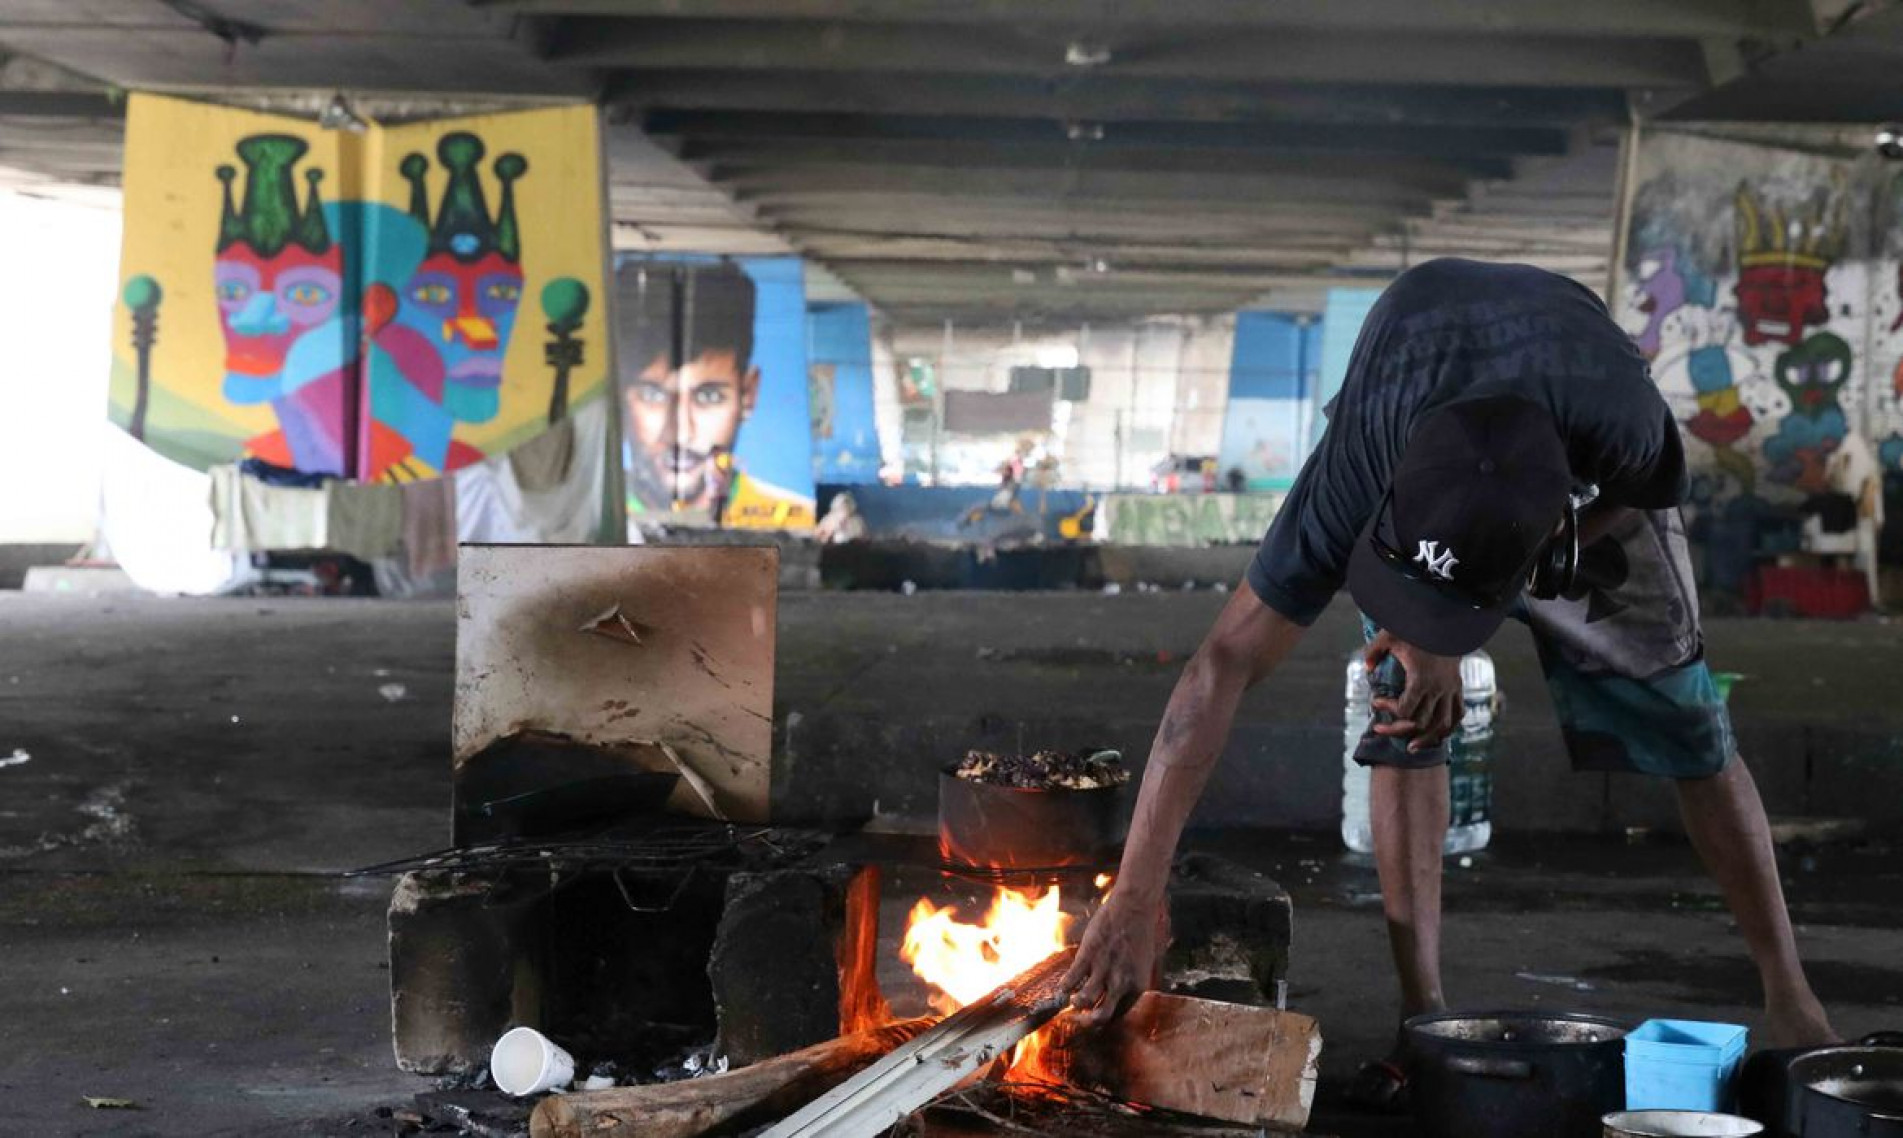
[(1342, 317), (840, 339), (1271, 388)]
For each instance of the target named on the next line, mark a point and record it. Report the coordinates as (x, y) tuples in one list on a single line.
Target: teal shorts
[(1624, 660)]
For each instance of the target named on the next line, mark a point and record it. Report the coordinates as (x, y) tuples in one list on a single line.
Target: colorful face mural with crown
[(447, 324), (353, 304), (1782, 260), (278, 279)]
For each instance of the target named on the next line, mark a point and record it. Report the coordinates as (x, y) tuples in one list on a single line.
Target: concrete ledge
[(83, 580), (17, 558)]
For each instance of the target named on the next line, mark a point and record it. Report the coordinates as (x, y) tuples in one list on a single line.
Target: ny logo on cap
[(1440, 564)]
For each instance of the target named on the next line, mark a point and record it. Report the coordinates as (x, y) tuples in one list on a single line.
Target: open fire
[(965, 960)]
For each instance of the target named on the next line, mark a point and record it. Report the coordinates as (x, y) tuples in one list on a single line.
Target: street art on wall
[(1769, 305), (714, 390), (1187, 519), (1265, 429), (356, 305)]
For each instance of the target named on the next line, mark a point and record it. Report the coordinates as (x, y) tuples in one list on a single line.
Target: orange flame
[(964, 961)]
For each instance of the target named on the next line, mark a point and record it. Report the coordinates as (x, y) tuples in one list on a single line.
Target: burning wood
[(965, 1043), (750, 1096)]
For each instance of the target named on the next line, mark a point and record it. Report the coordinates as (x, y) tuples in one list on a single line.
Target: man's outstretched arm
[(1119, 947)]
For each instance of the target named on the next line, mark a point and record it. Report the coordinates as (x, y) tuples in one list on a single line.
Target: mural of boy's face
[(681, 420)]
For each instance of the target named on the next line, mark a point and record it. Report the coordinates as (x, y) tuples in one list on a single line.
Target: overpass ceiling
[(1061, 160)]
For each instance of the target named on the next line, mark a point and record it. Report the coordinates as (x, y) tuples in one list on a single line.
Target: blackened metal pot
[(1514, 1074), (1006, 827)]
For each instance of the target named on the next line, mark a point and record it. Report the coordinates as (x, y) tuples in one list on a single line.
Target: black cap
[(1480, 488)]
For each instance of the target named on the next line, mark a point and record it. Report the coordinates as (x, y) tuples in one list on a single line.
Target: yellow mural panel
[(393, 304)]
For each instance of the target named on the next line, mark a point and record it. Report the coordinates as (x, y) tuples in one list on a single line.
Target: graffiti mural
[(353, 304), (1782, 262), (1667, 280), (278, 277), (714, 391), (1763, 283), (1188, 519), (1810, 375)]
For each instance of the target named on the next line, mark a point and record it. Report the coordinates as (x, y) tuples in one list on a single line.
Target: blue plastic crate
[(1682, 1064)]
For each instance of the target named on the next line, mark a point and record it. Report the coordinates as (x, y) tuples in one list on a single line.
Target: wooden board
[(634, 646), (1224, 1061)]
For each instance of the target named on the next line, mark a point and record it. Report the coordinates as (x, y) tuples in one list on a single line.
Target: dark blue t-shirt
[(1453, 329)]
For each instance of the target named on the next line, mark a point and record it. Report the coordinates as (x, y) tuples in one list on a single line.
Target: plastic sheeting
[(156, 516)]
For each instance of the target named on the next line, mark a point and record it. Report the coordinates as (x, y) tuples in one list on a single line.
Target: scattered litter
[(99, 1103), (394, 693), (16, 758), (699, 1065), (1466, 863), (65, 991), (595, 1083), (235, 719), (379, 672), (1573, 982), (908, 588), (1112, 589)]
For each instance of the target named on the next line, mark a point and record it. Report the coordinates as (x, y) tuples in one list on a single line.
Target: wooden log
[(967, 1041), (750, 1096), (1230, 1062)]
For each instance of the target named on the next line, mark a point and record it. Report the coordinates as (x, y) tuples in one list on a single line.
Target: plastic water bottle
[(1470, 819)]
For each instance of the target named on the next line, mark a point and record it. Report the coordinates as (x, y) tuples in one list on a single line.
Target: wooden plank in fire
[(877, 1098)]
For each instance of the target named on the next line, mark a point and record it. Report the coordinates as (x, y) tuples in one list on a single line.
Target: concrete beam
[(1098, 227), (1630, 18), (1141, 220), (906, 278), (1024, 251), (61, 104), (1227, 53), (1102, 98), (767, 127), (1188, 190), (738, 159)]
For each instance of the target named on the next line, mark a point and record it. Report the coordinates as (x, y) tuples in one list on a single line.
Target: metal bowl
[(1677, 1124)]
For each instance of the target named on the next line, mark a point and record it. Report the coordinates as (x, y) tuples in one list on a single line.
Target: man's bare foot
[(1799, 1022)]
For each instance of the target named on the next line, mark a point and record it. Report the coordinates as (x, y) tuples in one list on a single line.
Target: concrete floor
[(175, 932)]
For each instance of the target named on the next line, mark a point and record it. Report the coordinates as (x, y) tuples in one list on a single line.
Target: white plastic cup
[(524, 1062)]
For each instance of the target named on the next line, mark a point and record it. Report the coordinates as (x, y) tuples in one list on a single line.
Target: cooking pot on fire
[(1009, 827), (1514, 1074)]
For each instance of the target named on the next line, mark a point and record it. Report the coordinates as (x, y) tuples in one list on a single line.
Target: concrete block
[(1230, 930), (461, 972), (794, 960)]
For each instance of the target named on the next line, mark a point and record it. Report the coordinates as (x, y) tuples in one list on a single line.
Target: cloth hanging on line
[(429, 526), (255, 517), (493, 504), (364, 520)]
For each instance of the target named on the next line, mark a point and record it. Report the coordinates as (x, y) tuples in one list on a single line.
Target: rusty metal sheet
[(665, 651)]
